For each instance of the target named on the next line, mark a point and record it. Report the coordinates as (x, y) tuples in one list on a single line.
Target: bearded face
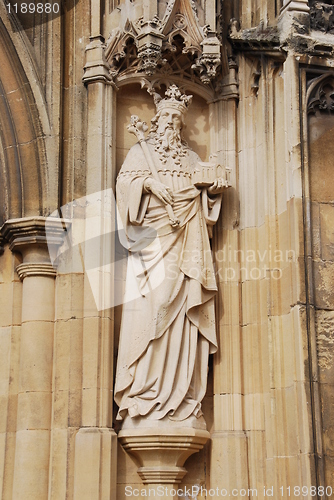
[(166, 130), (169, 129)]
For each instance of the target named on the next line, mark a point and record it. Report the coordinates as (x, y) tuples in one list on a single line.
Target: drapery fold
[(168, 330)]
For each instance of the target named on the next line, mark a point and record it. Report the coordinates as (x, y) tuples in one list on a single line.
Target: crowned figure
[(168, 328)]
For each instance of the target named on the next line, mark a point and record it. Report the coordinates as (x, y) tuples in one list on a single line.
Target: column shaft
[(32, 452), (29, 237)]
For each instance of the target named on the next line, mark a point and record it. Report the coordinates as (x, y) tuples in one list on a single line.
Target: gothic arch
[(320, 94), (24, 125)]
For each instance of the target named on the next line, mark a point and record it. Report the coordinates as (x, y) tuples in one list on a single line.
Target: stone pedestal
[(161, 454)]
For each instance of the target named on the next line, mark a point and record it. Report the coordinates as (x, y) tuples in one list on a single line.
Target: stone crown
[(174, 99)]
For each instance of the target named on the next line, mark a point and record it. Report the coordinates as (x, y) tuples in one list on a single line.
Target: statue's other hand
[(162, 192), (218, 186)]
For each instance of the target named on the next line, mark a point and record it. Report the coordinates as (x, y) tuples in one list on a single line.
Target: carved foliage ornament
[(144, 47)]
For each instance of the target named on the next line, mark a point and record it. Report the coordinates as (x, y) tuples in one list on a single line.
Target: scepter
[(138, 128)]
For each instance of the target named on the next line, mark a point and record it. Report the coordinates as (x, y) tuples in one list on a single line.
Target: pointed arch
[(320, 94), (24, 125)]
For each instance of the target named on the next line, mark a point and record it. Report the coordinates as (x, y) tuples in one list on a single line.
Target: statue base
[(164, 423), (161, 453)]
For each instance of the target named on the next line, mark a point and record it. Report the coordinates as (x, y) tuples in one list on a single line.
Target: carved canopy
[(149, 51)]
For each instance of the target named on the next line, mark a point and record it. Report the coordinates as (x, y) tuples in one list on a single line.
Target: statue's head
[(174, 100), (171, 110)]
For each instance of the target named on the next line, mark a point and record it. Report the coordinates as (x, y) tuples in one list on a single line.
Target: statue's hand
[(218, 186), (162, 192)]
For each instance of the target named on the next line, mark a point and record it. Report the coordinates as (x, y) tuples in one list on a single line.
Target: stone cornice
[(35, 269), (32, 230), (279, 41), (256, 40)]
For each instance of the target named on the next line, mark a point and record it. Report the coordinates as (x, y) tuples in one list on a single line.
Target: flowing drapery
[(168, 330)]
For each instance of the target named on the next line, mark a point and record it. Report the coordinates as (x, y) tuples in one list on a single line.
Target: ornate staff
[(138, 128)]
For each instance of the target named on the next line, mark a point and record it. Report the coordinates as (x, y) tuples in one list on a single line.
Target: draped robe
[(167, 331)]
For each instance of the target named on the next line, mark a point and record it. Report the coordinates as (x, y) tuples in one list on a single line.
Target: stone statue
[(168, 332)]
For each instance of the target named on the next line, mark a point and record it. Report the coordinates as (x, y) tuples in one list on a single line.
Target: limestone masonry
[(166, 249)]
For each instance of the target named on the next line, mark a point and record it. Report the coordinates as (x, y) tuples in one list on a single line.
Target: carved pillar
[(150, 9), (96, 443), (229, 441), (210, 13), (32, 452)]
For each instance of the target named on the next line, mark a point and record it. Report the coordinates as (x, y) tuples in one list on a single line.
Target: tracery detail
[(175, 43), (322, 97)]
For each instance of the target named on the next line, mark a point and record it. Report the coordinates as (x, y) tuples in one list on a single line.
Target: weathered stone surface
[(327, 231), (325, 344), (229, 460), (324, 284), (321, 130), (327, 401), (322, 16), (63, 138)]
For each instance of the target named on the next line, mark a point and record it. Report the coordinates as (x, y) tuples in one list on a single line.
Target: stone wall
[(62, 137)]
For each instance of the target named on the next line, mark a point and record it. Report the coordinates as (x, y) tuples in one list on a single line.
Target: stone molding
[(228, 88), (26, 233), (255, 40), (161, 453), (96, 68), (290, 35), (20, 233), (36, 269)]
